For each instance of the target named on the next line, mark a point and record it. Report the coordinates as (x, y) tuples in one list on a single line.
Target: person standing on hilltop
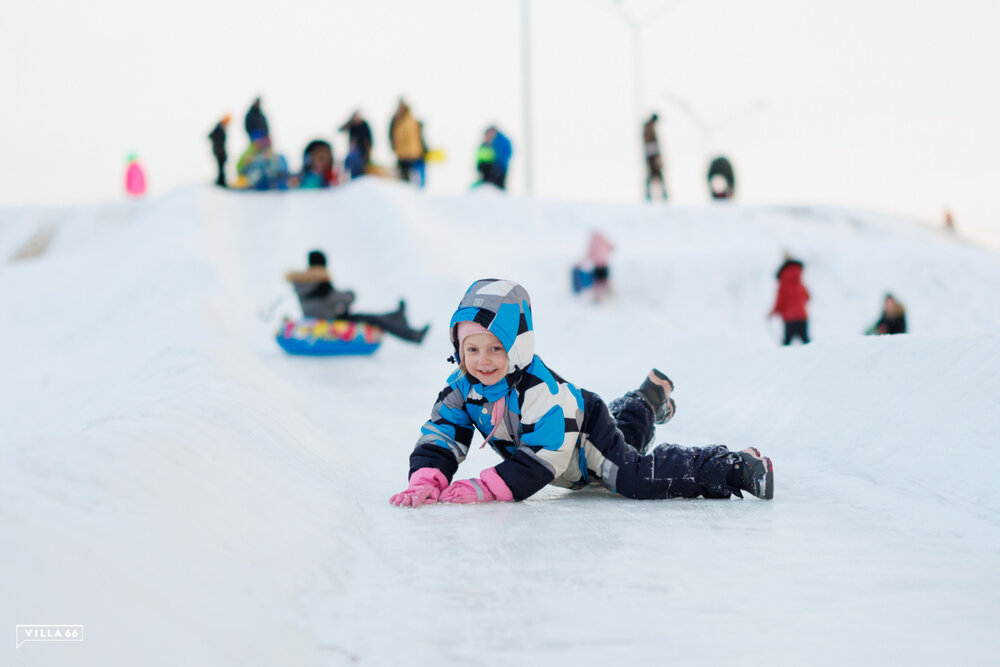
[(135, 177), (790, 302), (721, 179), (255, 121), (404, 130), (654, 159), (359, 137), (218, 139), (493, 157)]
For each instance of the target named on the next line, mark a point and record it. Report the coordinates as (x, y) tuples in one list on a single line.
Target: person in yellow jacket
[(406, 144)]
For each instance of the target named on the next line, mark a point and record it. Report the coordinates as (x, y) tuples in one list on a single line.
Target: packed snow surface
[(175, 483)]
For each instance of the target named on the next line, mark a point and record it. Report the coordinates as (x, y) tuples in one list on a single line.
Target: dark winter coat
[(218, 137), (792, 296), (359, 134), (722, 167), (256, 122), (543, 435), (890, 325)]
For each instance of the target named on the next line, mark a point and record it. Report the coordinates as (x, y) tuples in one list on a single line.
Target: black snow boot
[(656, 390), (758, 473)]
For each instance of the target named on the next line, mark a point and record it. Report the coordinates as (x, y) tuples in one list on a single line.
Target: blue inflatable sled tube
[(325, 338)]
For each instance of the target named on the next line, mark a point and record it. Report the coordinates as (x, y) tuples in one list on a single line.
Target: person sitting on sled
[(594, 272), (548, 431), (321, 300)]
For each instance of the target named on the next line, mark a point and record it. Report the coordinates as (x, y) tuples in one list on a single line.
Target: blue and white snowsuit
[(553, 432)]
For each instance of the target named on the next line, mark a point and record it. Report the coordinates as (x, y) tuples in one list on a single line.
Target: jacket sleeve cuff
[(494, 482), (429, 476)]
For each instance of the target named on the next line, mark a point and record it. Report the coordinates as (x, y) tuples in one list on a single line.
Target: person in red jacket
[(791, 300)]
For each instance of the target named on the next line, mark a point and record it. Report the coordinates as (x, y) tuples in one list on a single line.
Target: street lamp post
[(636, 25), (526, 79)]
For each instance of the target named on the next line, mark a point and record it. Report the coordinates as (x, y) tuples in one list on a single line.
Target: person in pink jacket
[(599, 253), (135, 177), (593, 272)]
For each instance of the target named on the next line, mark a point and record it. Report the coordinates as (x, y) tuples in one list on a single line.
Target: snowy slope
[(173, 482)]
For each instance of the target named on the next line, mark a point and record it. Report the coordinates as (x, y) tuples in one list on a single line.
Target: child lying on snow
[(549, 431)]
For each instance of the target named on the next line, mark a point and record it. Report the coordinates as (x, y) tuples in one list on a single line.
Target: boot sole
[(769, 480), (769, 477)]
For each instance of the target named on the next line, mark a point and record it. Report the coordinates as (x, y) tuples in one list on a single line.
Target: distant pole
[(526, 64), (636, 25), (637, 77), (637, 81)]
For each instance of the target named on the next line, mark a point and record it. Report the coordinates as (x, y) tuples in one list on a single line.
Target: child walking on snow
[(548, 431)]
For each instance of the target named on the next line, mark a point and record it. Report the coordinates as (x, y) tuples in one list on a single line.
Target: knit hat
[(466, 329)]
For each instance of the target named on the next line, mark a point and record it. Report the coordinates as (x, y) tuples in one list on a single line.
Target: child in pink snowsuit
[(598, 253), (135, 177)]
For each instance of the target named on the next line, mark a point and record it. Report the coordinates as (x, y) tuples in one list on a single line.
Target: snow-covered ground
[(173, 482)]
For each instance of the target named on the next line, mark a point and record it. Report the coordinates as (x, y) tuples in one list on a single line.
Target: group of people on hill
[(792, 297), (261, 167), (406, 136), (592, 276)]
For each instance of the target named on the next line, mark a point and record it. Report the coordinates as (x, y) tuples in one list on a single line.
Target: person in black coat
[(893, 319), (721, 172), (359, 135), (218, 138), (654, 158), (255, 121)]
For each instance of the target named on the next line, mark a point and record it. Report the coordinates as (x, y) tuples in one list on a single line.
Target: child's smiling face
[(484, 357)]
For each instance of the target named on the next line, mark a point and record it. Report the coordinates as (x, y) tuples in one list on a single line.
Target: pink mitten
[(425, 487), (487, 488)]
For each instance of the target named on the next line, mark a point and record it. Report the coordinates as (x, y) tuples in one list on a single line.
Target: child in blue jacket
[(548, 431)]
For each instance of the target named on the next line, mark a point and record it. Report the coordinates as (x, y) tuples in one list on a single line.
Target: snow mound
[(173, 482)]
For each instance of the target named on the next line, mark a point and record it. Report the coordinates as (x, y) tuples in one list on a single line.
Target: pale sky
[(889, 105)]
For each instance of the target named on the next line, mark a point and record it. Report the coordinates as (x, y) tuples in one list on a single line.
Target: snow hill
[(173, 482)]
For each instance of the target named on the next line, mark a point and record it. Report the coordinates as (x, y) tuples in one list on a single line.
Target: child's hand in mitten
[(425, 488), (488, 487)]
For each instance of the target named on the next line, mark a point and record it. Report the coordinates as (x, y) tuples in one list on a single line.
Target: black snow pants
[(797, 329), (623, 433)]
